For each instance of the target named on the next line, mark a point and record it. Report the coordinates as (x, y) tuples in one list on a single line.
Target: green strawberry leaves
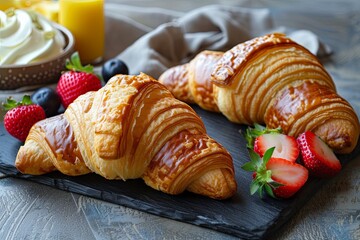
[(74, 64), (255, 162), (12, 103), (258, 130), (262, 181)]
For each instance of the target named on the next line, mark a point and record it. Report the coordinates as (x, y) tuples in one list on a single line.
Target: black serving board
[(244, 216)]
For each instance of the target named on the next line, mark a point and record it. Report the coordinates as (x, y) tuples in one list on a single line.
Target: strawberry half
[(21, 116), (286, 146), (290, 175), (317, 156), (79, 80), (252, 133), (276, 176)]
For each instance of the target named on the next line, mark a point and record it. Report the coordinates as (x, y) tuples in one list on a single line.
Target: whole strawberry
[(21, 116), (79, 80)]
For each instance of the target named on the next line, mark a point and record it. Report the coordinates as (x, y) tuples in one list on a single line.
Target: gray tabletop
[(33, 211)]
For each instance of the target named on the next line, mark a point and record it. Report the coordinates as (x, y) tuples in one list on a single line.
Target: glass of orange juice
[(85, 19)]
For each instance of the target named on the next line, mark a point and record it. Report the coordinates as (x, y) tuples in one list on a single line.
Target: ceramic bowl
[(36, 74)]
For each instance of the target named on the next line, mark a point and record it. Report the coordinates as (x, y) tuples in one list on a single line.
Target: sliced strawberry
[(290, 175), (317, 156), (286, 146), (252, 133), (276, 176)]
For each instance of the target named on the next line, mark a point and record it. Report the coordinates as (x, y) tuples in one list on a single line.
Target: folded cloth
[(181, 36)]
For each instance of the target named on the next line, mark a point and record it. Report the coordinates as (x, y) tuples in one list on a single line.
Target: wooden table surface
[(33, 211)]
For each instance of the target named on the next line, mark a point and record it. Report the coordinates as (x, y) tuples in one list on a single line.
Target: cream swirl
[(27, 37)]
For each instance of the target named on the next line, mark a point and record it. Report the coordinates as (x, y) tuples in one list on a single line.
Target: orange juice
[(85, 19)]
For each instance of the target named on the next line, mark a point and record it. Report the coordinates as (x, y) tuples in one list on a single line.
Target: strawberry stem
[(262, 182), (11, 103), (74, 64)]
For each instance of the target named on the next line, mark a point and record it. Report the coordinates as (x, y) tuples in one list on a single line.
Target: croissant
[(133, 127), (268, 80)]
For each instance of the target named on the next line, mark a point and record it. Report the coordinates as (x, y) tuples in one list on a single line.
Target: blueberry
[(48, 99), (112, 67)]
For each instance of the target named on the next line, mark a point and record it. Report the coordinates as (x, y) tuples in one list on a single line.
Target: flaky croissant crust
[(133, 127), (274, 81)]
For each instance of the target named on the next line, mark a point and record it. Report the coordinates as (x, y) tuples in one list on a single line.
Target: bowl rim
[(68, 48)]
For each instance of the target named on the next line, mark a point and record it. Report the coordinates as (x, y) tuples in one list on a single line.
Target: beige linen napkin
[(164, 38)]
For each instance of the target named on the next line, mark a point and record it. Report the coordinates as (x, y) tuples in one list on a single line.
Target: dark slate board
[(244, 216)]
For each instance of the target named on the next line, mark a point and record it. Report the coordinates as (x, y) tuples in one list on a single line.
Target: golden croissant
[(268, 80), (133, 127)]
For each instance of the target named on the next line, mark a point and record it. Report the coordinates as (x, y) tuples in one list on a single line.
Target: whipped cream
[(27, 37)]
